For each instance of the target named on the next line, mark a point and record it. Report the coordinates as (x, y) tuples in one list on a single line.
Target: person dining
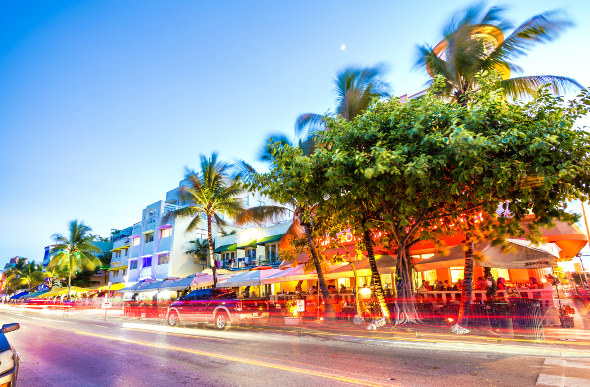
[(500, 283), (481, 284), (458, 285), (446, 285), (425, 287), (533, 283), (439, 286)]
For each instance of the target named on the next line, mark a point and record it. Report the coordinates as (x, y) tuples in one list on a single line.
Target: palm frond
[(541, 28), (260, 214), (526, 86), (309, 123)]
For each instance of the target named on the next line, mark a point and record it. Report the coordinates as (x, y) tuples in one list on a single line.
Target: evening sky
[(104, 103)]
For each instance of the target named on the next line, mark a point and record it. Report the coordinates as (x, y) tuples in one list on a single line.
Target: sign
[(300, 305), (106, 305)]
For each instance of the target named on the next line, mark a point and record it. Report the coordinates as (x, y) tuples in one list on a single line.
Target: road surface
[(69, 351)]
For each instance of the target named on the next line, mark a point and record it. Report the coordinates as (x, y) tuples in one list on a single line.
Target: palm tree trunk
[(466, 292), (404, 285), (211, 251), (375, 274), (69, 275), (329, 308)]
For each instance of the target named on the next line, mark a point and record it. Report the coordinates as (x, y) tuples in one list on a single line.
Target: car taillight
[(239, 306)]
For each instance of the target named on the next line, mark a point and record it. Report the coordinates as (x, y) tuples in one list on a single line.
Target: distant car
[(8, 358), (218, 306)]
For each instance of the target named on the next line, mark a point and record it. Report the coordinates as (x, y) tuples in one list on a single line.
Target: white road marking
[(562, 381), (567, 363)]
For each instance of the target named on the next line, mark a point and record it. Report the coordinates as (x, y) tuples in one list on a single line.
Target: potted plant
[(566, 316)]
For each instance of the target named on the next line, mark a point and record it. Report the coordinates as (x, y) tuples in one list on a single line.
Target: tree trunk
[(404, 286), (69, 275), (329, 308), (375, 274), (466, 292), (211, 251)]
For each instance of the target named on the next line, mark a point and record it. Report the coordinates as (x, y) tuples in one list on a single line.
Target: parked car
[(217, 306), (8, 357)]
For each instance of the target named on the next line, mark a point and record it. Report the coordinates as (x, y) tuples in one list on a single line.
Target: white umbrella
[(291, 274), (249, 278), (385, 264), (522, 254)]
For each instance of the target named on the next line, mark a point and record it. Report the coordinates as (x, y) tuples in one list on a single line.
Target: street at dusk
[(67, 351), (300, 193)]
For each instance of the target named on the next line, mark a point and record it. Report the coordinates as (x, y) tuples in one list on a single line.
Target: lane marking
[(562, 381), (566, 363), (175, 334), (242, 360)]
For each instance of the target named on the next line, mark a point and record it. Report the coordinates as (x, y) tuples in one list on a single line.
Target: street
[(79, 351)]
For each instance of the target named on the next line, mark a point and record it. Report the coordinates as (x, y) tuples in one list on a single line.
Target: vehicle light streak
[(176, 334), (241, 360)]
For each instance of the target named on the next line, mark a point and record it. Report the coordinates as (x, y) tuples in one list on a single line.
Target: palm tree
[(212, 192), (76, 252), (29, 275), (355, 88), (474, 42), (200, 249)]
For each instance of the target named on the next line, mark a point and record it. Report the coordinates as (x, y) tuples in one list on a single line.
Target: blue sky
[(104, 103)]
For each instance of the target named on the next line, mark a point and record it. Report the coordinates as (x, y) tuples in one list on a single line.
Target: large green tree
[(212, 193), (473, 41), (74, 252), (423, 166)]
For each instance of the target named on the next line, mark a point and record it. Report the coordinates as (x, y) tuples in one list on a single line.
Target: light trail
[(236, 359), (176, 334)]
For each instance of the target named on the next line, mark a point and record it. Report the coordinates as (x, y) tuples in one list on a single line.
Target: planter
[(566, 321), (291, 320)]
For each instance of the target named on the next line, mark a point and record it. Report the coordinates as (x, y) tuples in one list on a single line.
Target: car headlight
[(6, 361)]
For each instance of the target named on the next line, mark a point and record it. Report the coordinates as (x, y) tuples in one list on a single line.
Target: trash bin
[(527, 318)]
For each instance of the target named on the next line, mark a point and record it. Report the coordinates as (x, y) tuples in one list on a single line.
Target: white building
[(154, 249)]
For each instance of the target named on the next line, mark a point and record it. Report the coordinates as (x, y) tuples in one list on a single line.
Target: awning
[(223, 248), (119, 248), (249, 244), (34, 295), (19, 295), (522, 255), (269, 239), (118, 268), (114, 287), (64, 290), (158, 284), (385, 265), (291, 274), (131, 288), (194, 280), (249, 278)]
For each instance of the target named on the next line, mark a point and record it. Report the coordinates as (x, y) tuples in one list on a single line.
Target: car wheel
[(221, 320), (173, 319)]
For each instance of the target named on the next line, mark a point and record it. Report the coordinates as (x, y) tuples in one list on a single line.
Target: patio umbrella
[(291, 274), (385, 264), (522, 255), (249, 278), (155, 285)]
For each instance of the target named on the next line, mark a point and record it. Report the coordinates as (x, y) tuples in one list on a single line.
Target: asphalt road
[(80, 351)]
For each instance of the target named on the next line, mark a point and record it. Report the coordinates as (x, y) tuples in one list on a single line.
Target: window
[(124, 272), (147, 261), (430, 276), (456, 273), (163, 258), (124, 252), (135, 241), (133, 264), (165, 232), (149, 237), (247, 200), (497, 273), (115, 273), (272, 252)]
